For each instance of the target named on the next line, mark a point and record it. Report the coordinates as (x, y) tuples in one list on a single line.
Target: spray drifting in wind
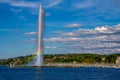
[(38, 60)]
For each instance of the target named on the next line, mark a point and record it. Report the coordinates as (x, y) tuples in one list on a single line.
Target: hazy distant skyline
[(72, 26)]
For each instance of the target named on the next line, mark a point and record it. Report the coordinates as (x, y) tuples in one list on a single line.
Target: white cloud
[(98, 31), (53, 39), (69, 34), (72, 25), (51, 47), (24, 4), (101, 29), (52, 3), (21, 3), (104, 39), (31, 4), (30, 33), (69, 40)]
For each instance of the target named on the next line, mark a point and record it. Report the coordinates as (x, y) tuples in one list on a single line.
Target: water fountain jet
[(38, 60)]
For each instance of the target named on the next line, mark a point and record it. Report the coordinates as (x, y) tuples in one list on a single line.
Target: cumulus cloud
[(104, 39), (65, 40), (53, 40), (30, 33), (98, 31), (72, 25), (101, 29), (51, 47), (68, 34)]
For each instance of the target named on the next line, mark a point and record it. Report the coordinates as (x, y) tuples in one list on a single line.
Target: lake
[(55, 73)]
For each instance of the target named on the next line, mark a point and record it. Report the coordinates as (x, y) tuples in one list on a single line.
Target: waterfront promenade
[(82, 65)]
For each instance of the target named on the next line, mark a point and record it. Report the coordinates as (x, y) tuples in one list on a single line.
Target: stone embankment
[(82, 65)]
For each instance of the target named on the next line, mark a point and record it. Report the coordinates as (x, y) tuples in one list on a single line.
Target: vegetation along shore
[(69, 60)]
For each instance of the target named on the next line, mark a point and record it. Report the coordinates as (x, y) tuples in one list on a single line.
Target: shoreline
[(74, 65), (69, 65)]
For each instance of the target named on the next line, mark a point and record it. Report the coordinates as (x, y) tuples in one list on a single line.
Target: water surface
[(52, 73)]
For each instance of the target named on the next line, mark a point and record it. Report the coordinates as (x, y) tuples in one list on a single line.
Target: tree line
[(64, 58)]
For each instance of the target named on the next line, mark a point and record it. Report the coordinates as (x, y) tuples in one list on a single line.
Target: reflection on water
[(49, 73), (38, 74)]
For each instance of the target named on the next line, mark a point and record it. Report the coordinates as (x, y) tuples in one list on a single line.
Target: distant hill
[(64, 58)]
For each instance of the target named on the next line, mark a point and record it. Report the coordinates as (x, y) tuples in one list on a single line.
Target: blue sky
[(72, 26)]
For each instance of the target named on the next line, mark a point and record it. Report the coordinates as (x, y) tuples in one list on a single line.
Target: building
[(118, 61)]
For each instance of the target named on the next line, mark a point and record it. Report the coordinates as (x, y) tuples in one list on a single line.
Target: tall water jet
[(40, 31), (38, 60)]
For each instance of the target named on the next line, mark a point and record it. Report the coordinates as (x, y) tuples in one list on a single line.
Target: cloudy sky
[(72, 26)]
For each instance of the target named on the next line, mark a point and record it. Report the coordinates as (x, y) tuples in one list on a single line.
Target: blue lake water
[(50, 73)]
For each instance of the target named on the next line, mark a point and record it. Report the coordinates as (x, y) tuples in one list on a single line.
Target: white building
[(118, 61)]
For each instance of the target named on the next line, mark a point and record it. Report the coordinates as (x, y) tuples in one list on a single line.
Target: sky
[(71, 26)]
